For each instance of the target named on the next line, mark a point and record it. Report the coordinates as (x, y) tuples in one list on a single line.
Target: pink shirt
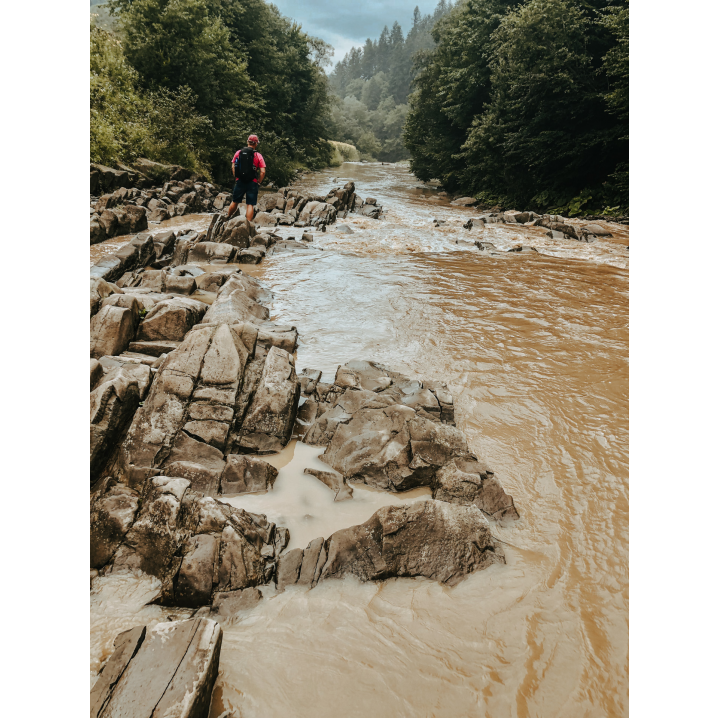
[(258, 160)]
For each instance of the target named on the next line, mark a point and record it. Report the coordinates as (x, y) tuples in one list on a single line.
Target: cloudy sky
[(347, 23)]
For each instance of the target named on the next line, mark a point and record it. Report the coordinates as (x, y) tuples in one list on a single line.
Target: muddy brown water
[(535, 349)]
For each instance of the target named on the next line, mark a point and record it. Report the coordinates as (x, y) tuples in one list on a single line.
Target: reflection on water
[(535, 350)]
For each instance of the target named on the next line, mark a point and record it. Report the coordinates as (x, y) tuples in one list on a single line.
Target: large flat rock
[(166, 672)]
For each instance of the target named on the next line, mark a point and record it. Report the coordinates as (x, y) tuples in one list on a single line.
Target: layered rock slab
[(168, 671)]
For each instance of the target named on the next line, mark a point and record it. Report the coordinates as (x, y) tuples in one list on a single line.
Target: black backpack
[(244, 167)]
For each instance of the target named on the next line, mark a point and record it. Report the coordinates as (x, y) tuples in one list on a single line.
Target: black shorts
[(250, 188)]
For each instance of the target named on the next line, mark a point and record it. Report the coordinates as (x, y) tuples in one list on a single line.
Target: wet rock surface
[(192, 384), (168, 671), (434, 539)]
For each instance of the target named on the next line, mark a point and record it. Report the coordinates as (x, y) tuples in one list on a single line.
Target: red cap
[(253, 138)]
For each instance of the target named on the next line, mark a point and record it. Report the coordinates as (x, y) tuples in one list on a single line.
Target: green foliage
[(372, 84), (219, 70), (342, 152), (512, 103), (127, 122)]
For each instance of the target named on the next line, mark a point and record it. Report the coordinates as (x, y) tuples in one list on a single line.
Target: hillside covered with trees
[(515, 103), (185, 81), (372, 84), (525, 103)]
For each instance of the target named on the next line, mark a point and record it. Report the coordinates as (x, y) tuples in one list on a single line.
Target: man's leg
[(252, 194), (232, 209)]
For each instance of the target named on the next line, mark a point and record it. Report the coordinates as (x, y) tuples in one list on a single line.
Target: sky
[(346, 23)]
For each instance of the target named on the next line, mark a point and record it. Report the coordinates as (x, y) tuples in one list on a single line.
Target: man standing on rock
[(244, 167)]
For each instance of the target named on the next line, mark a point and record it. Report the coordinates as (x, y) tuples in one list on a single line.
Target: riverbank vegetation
[(186, 81), (526, 104)]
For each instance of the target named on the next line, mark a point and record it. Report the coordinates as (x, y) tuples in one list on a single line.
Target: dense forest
[(526, 103), (186, 81), (372, 84), (515, 103)]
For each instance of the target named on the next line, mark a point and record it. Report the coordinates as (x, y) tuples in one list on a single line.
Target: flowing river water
[(534, 347)]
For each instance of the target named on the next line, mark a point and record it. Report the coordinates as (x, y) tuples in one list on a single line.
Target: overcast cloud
[(347, 23)]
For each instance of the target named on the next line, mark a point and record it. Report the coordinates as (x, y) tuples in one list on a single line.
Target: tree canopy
[(525, 103), (372, 84), (238, 64)]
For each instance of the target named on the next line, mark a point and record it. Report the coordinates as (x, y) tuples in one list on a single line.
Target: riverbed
[(534, 347)]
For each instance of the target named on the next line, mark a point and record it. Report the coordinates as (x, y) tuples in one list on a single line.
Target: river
[(534, 347)]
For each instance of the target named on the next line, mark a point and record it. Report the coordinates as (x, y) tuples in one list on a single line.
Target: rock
[(486, 246), (244, 474), (523, 217), (229, 603), (306, 237), (112, 513), (464, 202), (171, 319), (313, 560), (97, 232), (522, 248), (138, 252), (234, 303), (154, 348), (288, 568), (131, 219), (238, 232), (194, 580), (125, 301), (392, 448), (164, 242), (434, 539), (126, 646), (335, 481), (114, 366), (267, 202), (153, 430), (211, 253), (222, 200), (274, 407), (112, 405), (596, 229), (111, 331), (99, 289), (156, 170), (264, 219), (96, 372), (318, 212), (309, 378), (370, 211), (109, 178), (108, 222), (254, 255), (163, 541), (344, 228), (171, 675), (471, 482), (370, 200), (211, 281)]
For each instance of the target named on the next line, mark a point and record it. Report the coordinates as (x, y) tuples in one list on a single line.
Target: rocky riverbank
[(190, 384), (133, 202)]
